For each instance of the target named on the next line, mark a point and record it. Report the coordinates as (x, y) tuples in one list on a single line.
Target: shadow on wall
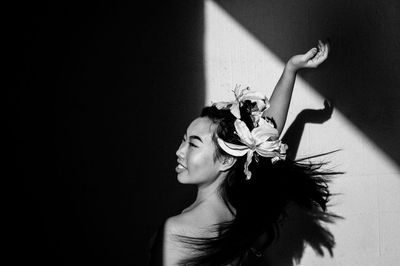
[(362, 74), (301, 227), (99, 95), (295, 131)]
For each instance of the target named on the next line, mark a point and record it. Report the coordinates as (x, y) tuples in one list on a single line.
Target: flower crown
[(262, 140)]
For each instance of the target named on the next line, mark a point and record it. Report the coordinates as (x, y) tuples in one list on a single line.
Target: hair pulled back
[(259, 203)]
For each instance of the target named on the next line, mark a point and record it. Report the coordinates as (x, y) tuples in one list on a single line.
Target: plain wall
[(99, 95), (248, 43)]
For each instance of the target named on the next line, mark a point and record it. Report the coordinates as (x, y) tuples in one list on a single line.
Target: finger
[(321, 48), (320, 45), (316, 61), (310, 54), (325, 53), (324, 46), (322, 53), (327, 48), (318, 53)]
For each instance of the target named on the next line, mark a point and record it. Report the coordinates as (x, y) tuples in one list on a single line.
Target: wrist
[(291, 67)]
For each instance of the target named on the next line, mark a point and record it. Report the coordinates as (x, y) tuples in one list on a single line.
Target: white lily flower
[(263, 139), (242, 95)]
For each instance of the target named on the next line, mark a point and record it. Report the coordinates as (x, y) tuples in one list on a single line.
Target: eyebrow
[(196, 137)]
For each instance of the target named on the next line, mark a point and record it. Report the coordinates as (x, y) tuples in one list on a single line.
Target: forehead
[(202, 127)]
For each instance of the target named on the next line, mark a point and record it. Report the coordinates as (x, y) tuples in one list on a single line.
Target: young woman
[(233, 154)]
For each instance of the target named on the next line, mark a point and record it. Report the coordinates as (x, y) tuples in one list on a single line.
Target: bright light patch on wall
[(370, 189)]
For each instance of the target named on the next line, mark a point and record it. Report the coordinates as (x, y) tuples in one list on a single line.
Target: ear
[(227, 162)]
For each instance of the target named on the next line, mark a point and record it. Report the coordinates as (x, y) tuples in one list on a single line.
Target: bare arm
[(282, 94)]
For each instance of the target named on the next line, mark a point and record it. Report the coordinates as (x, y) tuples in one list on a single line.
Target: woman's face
[(196, 163)]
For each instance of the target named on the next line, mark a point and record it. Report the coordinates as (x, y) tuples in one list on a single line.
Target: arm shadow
[(295, 131), (301, 227)]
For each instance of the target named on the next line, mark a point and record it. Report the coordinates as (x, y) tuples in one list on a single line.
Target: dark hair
[(259, 203)]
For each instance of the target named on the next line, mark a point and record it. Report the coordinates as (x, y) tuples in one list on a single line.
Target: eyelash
[(190, 143)]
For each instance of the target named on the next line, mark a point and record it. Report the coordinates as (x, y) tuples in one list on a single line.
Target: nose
[(180, 152)]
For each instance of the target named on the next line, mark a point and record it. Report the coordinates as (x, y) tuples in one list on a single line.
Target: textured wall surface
[(99, 94), (248, 43)]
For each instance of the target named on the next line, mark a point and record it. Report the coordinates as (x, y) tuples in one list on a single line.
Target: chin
[(185, 179)]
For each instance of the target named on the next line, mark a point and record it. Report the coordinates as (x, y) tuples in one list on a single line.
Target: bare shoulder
[(182, 224), (174, 250), (194, 223), (173, 225)]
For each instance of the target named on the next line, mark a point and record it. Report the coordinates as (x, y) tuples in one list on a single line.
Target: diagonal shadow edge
[(378, 121)]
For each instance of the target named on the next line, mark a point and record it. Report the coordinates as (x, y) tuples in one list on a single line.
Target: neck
[(205, 193), (209, 192), (209, 201)]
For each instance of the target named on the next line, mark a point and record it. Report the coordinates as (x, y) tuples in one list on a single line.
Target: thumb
[(310, 54)]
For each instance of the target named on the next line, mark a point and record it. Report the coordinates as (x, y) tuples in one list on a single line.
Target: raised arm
[(282, 94)]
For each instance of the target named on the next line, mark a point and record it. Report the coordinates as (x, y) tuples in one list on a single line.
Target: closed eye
[(192, 144)]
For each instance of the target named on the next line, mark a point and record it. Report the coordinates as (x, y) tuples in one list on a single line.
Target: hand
[(312, 59)]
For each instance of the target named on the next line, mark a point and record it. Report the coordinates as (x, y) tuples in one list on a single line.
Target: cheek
[(200, 163)]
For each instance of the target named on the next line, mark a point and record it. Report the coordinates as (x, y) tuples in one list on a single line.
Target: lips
[(180, 168)]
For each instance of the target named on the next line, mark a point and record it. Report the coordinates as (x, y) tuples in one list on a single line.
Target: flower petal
[(233, 149), (244, 133), (253, 96), (235, 110), (260, 106), (246, 165), (268, 148), (223, 105), (264, 132), (239, 91)]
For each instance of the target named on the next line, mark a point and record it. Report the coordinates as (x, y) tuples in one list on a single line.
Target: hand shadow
[(295, 131), (301, 226)]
